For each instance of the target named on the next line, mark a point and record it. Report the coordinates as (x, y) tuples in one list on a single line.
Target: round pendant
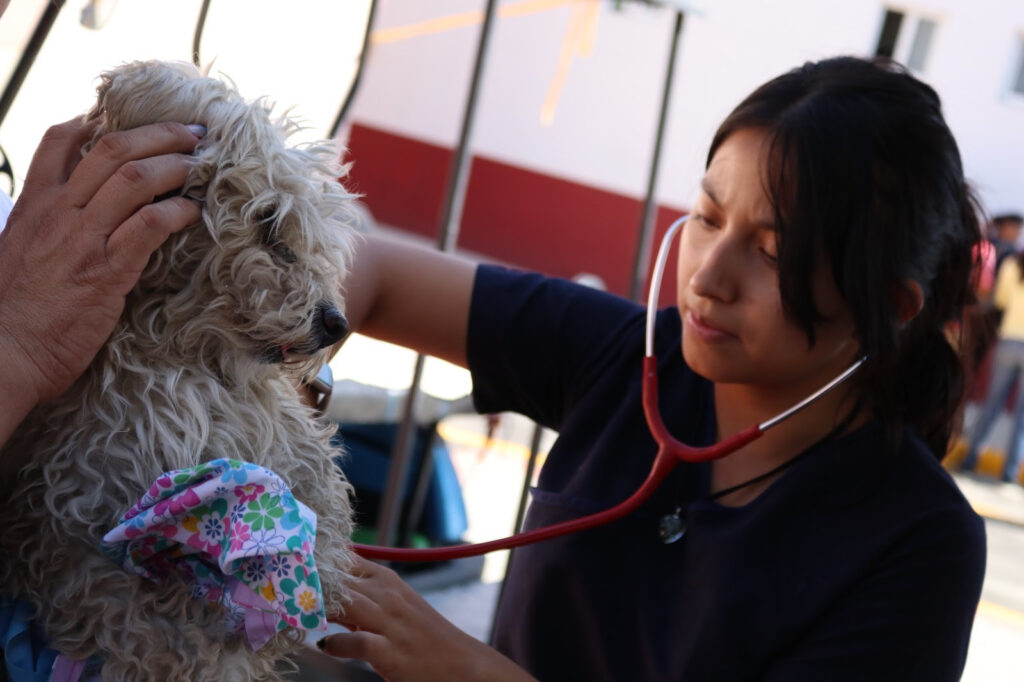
[(671, 528)]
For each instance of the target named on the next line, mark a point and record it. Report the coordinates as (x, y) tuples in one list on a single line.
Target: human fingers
[(364, 646), (385, 589), (131, 244), (57, 153), (365, 568), (422, 646), (133, 186), (112, 151), (362, 611)]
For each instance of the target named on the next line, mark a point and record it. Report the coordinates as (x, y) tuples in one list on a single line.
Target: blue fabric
[(860, 562), (368, 457), (26, 655)]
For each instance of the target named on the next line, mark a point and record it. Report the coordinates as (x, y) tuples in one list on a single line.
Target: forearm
[(496, 668), (410, 295)]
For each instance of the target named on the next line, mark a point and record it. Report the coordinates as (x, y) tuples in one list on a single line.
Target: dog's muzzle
[(328, 327), (331, 325)]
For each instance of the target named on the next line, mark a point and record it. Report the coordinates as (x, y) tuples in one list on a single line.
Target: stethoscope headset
[(670, 450)]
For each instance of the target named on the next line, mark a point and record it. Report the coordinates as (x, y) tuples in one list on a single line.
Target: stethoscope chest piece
[(671, 527)]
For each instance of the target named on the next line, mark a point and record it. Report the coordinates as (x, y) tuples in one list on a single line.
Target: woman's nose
[(717, 274)]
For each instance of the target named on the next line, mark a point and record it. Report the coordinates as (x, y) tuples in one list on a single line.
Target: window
[(1018, 76), (922, 42), (906, 38), (890, 32)]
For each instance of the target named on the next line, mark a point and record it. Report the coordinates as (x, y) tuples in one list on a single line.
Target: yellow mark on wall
[(578, 41), (397, 34)]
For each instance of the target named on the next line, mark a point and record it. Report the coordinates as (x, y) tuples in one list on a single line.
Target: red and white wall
[(568, 110)]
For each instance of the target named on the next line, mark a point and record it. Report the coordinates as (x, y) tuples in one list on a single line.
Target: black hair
[(1007, 218), (865, 177)]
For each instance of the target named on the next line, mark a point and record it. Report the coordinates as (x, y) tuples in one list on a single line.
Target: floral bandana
[(235, 532)]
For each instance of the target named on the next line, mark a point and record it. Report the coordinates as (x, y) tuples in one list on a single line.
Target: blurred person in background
[(1007, 366), (1005, 233)]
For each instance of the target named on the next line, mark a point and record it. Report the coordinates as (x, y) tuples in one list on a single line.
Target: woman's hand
[(75, 244), (405, 639)]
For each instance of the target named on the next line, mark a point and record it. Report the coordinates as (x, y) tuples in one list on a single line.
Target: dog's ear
[(97, 114), (142, 92), (104, 113)]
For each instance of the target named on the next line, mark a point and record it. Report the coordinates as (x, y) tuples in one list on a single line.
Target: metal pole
[(458, 180), (197, 35), (401, 454), (531, 465), (641, 261), (422, 489), (458, 174), (28, 56), (360, 67)]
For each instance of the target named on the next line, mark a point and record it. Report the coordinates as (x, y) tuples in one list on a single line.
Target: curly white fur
[(193, 372)]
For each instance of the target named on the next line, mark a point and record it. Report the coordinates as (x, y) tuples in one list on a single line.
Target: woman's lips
[(704, 329)]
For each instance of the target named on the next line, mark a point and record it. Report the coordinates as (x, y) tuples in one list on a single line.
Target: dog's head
[(257, 282)]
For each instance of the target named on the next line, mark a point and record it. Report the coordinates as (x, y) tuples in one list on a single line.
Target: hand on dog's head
[(258, 281)]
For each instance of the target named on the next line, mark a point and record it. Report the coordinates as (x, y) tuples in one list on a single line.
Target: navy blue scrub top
[(858, 563)]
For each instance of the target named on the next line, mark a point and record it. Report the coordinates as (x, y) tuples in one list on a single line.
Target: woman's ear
[(908, 301)]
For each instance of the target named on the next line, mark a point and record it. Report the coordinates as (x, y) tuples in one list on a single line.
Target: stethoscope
[(670, 450)]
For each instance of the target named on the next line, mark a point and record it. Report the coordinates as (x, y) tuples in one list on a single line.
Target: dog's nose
[(334, 324)]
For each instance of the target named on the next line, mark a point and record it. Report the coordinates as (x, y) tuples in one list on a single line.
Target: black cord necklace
[(672, 526)]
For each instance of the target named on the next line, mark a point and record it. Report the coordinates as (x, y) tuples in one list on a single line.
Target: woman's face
[(734, 329)]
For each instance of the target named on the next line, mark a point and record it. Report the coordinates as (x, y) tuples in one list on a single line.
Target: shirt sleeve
[(535, 344), (909, 619)]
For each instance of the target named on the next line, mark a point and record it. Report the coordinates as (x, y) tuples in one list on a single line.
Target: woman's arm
[(405, 639), (410, 295), (419, 298)]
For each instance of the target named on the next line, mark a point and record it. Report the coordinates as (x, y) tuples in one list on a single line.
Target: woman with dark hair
[(833, 223)]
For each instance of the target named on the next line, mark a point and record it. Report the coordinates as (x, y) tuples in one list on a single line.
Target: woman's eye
[(703, 220), (768, 256)]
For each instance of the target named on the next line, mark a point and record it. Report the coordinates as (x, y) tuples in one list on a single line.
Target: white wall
[(977, 47), (604, 124), (300, 54)]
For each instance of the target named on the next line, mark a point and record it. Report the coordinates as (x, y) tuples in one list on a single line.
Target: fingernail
[(197, 130), (321, 643)]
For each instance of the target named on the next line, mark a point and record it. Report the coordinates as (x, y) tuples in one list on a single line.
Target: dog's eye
[(284, 253), (265, 217), (266, 223)]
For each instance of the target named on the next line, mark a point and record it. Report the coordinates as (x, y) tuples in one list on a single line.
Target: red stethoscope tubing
[(670, 453)]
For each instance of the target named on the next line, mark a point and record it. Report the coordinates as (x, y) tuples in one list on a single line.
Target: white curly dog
[(228, 317)]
